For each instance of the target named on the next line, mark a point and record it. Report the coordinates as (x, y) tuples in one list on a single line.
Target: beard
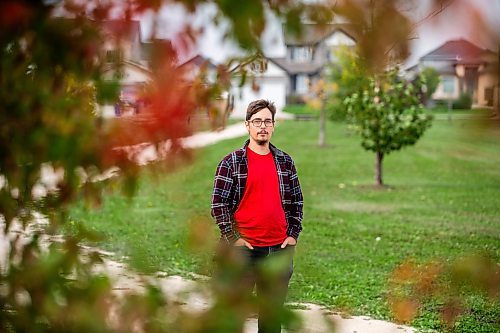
[(261, 142)]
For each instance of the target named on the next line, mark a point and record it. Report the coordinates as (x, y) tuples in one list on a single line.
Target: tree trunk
[(497, 90), (322, 125), (378, 168)]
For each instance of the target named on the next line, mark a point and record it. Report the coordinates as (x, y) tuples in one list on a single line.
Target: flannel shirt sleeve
[(296, 206), (221, 204)]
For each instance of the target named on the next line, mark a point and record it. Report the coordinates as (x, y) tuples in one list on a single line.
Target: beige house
[(463, 68), (129, 61)]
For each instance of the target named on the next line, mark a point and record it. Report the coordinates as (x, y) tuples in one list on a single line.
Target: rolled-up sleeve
[(221, 201)]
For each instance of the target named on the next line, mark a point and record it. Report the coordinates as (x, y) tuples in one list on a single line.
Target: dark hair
[(258, 105)]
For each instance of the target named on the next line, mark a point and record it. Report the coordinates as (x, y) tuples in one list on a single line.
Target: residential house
[(283, 80), (131, 62), (286, 80), (308, 54), (122, 41), (124, 54), (463, 67), (194, 65), (265, 80)]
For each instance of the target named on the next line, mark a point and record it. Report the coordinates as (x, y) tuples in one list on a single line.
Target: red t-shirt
[(260, 217)]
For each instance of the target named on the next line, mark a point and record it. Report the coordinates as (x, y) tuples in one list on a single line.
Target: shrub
[(463, 102), (431, 77), (299, 109), (295, 99)]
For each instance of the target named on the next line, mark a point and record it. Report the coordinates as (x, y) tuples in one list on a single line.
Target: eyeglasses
[(258, 122)]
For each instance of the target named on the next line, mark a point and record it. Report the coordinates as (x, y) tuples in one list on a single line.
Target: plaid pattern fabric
[(229, 186)]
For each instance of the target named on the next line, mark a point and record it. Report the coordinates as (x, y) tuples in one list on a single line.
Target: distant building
[(463, 68), (268, 81), (287, 80), (194, 65), (131, 62), (126, 64), (308, 54)]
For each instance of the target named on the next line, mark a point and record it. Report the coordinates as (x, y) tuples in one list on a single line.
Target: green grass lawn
[(442, 202), (300, 109)]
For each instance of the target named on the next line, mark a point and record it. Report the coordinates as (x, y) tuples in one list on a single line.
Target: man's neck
[(259, 149)]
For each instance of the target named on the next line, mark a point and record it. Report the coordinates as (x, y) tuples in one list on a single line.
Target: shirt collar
[(275, 151)]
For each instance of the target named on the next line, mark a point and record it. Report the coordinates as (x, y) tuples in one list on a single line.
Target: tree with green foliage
[(428, 79), (349, 76), (389, 116), (51, 74), (51, 65), (431, 77)]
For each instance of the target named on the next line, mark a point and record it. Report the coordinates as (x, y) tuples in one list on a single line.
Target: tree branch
[(445, 4)]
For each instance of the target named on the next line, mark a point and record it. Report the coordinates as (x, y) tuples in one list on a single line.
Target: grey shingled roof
[(297, 68), (314, 33)]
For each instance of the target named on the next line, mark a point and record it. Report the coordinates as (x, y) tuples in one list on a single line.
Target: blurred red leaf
[(13, 13)]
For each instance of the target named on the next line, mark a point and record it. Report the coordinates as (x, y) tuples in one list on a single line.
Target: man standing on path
[(257, 204)]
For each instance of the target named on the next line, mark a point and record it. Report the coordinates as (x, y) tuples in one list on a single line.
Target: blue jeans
[(269, 269)]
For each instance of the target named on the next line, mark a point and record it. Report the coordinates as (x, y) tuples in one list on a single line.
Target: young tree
[(388, 115), (349, 76), (321, 91)]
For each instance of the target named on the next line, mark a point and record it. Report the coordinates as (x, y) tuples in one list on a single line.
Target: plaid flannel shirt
[(229, 187)]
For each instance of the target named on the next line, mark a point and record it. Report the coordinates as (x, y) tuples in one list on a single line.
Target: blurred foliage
[(51, 76), (382, 31), (464, 101), (450, 285), (349, 76), (107, 91), (389, 115), (431, 77)]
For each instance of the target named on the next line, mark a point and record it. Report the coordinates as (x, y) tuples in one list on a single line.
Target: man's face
[(261, 134)]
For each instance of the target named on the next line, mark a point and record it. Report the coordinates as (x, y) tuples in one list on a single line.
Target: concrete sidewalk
[(145, 153), (195, 296), (207, 138)]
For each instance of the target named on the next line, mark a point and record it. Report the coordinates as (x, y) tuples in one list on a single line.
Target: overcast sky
[(459, 20)]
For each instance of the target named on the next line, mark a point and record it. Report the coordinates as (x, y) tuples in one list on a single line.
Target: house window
[(448, 84), (113, 55), (301, 83), (301, 54), (258, 66)]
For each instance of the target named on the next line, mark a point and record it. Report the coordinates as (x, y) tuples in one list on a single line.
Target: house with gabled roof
[(122, 41), (464, 68), (130, 61), (195, 64), (264, 80), (308, 54), (287, 80)]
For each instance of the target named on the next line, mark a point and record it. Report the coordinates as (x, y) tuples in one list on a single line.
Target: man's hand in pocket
[(242, 242)]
